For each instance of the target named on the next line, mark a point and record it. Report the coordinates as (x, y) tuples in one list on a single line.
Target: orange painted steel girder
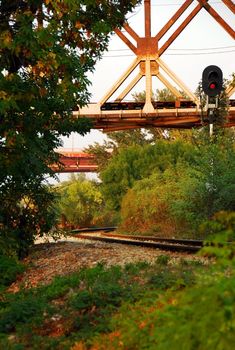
[(150, 64), (75, 162), (187, 120)]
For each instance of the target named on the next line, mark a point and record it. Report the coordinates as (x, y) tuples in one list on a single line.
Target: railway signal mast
[(212, 85)]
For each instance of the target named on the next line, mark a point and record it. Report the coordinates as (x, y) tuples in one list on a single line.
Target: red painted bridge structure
[(114, 115), (75, 161)]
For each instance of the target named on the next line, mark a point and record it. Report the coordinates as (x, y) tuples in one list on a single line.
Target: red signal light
[(212, 86), (212, 81)]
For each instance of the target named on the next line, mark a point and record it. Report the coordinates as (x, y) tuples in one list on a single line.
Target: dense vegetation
[(80, 203), (78, 307), (165, 186), (153, 181), (169, 186), (47, 48), (177, 199), (138, 162), (170, 304)]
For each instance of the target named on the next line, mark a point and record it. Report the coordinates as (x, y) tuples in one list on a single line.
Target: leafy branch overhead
[(47, 48)]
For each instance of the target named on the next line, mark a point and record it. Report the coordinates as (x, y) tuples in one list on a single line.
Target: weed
[(84, 303), (135, 268), (21, 312), (60, 286), (162, 280), (162, 260)]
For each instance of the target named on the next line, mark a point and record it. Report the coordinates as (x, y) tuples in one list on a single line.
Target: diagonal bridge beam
[(149, 64), (148, 54)]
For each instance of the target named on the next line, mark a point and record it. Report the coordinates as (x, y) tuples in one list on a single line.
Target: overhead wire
[(176, 54), (178, 4), (172, 4), (134, 14), (199, 53), (192, 49)]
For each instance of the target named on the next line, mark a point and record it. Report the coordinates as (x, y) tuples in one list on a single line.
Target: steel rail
[(142, 243), (95, 229), (193, 242)]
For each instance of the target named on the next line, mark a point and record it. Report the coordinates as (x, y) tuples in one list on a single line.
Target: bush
[(139, 162), (220, 237), (20, 312), (9, 269), (201, 317), (179, 199), (198, 317), (162, 260), (156, 205), (79, 201)]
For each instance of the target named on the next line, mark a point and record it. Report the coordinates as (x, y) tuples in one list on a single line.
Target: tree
[(137, 162), (164, 94), (79, 200), (117, 140), (47, 47), (178, 199)]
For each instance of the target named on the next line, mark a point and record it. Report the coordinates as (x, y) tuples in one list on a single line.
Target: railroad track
[(169, 244), (94, 229)]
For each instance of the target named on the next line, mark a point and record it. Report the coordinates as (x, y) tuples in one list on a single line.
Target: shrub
[(79, 201), (220, 234), (162, 259), (150, 206), (9, 269), (176, 201), (200, 316), (20, 312), (139, 162)]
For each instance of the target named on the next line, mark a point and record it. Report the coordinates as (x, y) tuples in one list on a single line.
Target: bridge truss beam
[(148, 61)]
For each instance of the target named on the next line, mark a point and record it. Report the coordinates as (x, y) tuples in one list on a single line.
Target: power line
[(177, 4), (204, 49), (177, 54), (193, 49), (199, 53), (134, 14)]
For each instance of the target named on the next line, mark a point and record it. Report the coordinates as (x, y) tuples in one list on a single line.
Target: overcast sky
[(202, 42)]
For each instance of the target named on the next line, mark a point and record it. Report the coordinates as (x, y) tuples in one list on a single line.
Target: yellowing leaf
[(78, 25), (6, 38), (3, 95), (52, 55)]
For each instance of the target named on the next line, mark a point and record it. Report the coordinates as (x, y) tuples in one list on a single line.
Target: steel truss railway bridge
[(75, 161), (120, 115), (115, 115)]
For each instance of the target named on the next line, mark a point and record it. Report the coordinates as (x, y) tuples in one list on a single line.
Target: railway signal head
[(212, 81)]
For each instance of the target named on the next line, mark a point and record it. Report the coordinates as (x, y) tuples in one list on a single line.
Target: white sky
[(203, 42)]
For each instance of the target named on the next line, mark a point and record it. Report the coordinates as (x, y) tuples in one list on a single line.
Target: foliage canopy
[(79, 201), (47, 47)]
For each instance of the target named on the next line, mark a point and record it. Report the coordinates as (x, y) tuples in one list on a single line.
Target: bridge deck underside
[(72, 163), (172, 118), (75, 169)]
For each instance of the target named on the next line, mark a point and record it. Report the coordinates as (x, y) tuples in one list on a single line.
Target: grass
[(77, 308)]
